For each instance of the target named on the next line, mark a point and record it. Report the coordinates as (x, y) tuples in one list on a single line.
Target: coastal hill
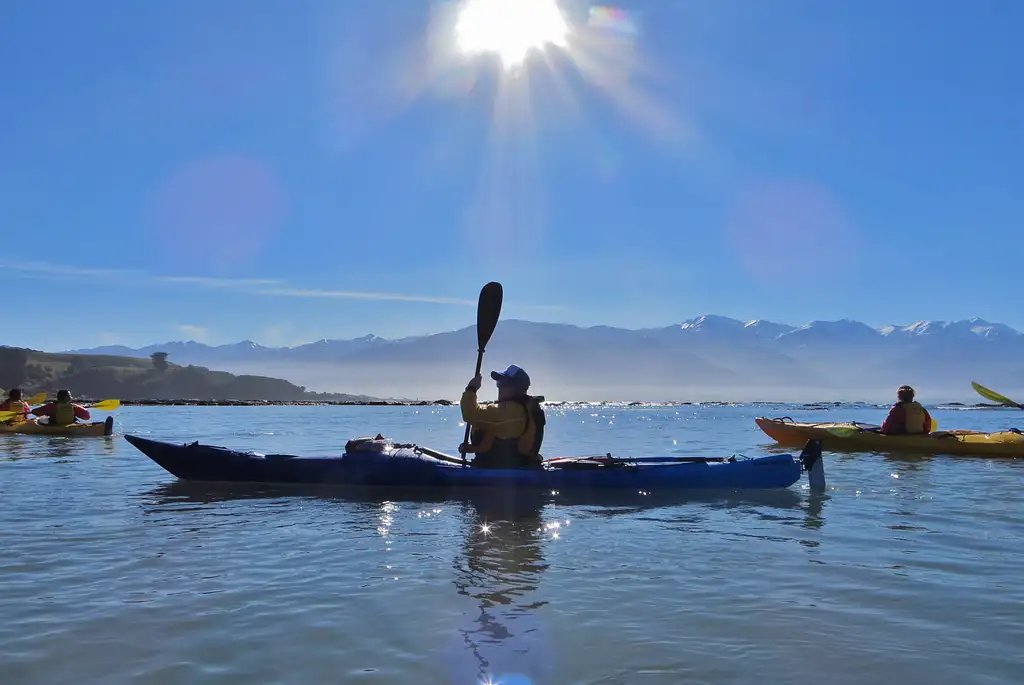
[(705, 358), (151, 378)]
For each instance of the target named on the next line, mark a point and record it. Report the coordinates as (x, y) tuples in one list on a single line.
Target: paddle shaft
[(479, 366)]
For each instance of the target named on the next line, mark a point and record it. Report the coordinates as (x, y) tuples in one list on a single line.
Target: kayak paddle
[(994, 396), (104, 405), (488, 310)]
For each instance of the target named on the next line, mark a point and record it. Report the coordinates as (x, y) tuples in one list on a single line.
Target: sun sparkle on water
[(510, 28)]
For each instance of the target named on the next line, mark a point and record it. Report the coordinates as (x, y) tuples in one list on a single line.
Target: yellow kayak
[(32, 427), (854, 437)]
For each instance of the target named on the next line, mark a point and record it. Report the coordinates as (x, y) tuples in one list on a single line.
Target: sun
[(510, 28)]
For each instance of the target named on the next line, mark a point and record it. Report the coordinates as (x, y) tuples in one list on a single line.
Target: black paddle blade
[(487, 313)]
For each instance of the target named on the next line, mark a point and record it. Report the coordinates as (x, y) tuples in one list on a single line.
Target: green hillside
[(129, 378)]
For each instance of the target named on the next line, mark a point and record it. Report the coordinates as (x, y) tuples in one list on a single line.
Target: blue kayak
[(379, 462)]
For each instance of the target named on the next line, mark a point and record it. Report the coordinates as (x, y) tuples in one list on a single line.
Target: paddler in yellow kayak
[(63, 412), (506, 435), (907, 416), (14, 403)]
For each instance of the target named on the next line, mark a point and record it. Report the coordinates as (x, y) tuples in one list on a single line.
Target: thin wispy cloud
[(358, 295), (249, 286), (46, 270), (210, 282)]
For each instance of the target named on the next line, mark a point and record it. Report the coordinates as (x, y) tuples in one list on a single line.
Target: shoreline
[(450, 403)]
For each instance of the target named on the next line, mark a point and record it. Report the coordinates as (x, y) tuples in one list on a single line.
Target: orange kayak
[(855, 437)]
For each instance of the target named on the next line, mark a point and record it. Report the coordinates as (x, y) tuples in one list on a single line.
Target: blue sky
[(286, 171)]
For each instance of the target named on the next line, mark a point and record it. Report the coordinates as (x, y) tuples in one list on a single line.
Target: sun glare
[(510, 28)]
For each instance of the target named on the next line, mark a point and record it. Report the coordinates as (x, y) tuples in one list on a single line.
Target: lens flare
[(510, 28)]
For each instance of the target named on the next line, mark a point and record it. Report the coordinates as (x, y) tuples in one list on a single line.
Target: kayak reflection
[(508, 503)]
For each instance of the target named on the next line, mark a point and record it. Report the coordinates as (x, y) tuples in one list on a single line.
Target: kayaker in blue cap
[(508, 434), (907, 416)]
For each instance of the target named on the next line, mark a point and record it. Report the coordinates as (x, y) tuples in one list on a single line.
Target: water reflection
[(16, 447), (502, 634), (499, 568), (604, 502)]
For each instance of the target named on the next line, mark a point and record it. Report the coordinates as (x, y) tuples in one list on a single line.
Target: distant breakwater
[(821, 406)]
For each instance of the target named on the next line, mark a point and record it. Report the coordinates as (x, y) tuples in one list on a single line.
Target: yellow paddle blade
[(8, 415), (993, 396), (935, 424), (106, 405)]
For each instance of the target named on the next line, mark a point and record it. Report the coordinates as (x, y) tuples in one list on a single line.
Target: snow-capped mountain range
[(708, 357)]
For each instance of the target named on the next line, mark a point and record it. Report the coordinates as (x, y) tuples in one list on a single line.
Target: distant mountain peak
[(707, 321)]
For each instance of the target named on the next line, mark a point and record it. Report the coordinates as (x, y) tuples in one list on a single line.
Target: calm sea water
[(907, 570)]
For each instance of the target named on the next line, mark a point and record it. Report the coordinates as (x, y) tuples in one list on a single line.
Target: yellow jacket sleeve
[(504, 419)]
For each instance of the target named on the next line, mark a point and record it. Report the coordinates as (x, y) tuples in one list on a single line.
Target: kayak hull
[(854, 438), (88, 430), (407, 466)]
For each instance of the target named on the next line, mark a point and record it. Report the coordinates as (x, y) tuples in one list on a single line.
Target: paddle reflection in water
[(499, 567)]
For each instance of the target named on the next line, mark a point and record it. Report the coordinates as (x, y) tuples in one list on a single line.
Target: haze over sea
[(905, 570)]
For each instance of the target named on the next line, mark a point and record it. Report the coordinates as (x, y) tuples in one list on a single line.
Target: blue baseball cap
[(513, 375)]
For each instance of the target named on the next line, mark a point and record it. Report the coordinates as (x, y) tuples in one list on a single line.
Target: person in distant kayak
[(508, 434), (16, 404), (63, 412), (907, 416)]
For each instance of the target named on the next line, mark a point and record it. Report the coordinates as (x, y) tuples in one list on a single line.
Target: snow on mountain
[(712, 323), (325, 349), (767, 329), (962, 330)]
